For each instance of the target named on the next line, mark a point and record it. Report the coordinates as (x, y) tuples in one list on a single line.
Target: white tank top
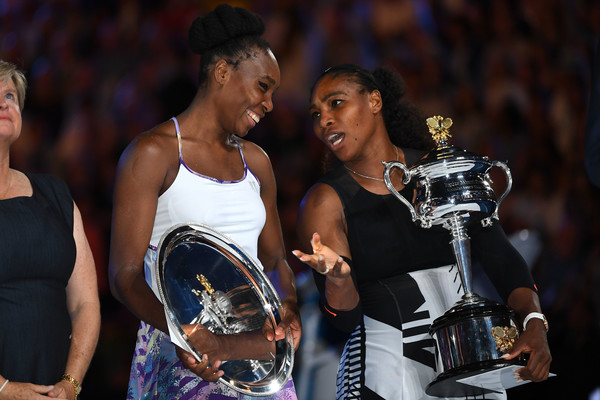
[(234, 208)]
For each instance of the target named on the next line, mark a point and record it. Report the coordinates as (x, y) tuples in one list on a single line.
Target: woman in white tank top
[(198, 168)]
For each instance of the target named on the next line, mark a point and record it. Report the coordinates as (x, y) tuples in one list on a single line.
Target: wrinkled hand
[(62, 390), (206, 371), (290, 319), (533, 342), (25, 391), (324, 260)]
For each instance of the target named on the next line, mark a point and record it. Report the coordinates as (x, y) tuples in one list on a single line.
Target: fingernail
[(340, 259), (505, 356), (321, 257)]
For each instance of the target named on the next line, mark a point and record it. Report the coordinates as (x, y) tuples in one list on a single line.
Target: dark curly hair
[(405, 124), (230, 33)]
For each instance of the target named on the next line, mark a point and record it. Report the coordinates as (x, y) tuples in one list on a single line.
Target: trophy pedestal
[(471, 338), (477, 379)]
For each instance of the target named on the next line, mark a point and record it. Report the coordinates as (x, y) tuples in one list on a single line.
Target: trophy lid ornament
[(439, 127)]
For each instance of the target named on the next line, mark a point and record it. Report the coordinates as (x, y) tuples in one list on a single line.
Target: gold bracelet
[(72, 381)]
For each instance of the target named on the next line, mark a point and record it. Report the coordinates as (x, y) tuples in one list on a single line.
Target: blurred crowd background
[(513, 75)]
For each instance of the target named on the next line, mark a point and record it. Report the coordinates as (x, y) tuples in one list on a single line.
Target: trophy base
[(480, 379)]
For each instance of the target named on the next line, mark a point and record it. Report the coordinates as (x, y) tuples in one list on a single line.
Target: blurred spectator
[(592, 132)]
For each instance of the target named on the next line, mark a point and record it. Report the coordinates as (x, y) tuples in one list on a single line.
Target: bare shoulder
[(321, 211), (254, 154), (157, 145), (321, 198), (257, 160)]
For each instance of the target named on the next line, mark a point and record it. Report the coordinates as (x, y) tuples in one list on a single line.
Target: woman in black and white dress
[(382, 278)]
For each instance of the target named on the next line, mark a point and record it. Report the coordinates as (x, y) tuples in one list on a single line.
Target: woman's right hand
[(324, 260), (241, 346), (25, 391)]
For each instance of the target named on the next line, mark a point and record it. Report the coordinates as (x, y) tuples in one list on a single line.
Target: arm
[(533, 340), (510, 275), (84, 308), (321, 220), (141, 174), (271, 248)]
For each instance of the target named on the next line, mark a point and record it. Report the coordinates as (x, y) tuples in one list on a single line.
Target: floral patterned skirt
[(157, 373)]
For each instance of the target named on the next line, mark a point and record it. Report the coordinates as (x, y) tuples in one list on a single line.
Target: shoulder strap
[(341, 181), (178, 139), (235, 139), (56, 192)]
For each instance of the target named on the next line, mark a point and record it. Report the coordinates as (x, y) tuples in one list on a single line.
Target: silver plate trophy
[(452, 189), (205, 278)]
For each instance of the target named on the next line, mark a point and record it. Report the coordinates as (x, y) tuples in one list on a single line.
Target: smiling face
[(248, 91), (10, 111), (345, 116)]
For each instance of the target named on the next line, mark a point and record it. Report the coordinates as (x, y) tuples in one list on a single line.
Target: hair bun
[(390, 79), (222, 24)]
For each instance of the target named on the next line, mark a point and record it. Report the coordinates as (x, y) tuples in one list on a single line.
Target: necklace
[(7, 187), (367, 176)]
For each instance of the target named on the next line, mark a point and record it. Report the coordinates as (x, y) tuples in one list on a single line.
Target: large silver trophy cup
[(206, 281), (453, 189)]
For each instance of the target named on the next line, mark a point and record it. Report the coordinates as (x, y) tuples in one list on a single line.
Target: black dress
[(37, 256)]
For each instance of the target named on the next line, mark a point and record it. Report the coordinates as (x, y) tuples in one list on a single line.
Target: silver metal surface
[(446, 186), (451, 187), (205, 278), (464, 333)]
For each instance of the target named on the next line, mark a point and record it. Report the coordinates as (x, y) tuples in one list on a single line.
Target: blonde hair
[(9, 71)]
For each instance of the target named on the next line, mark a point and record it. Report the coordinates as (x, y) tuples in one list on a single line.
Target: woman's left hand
[(290, 319), (533, 342), (324, 260)]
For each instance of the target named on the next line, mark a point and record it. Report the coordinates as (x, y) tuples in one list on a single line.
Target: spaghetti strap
[(179, 140), (241, 152)]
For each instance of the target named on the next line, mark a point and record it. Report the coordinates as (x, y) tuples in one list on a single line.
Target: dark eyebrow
[(326, 97), (271, 80)]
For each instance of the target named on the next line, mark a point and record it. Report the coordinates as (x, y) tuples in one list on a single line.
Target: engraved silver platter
[(205, 278)]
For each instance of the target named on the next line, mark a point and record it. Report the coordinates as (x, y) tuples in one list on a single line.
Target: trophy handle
[(405, 180), (488, 221)]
